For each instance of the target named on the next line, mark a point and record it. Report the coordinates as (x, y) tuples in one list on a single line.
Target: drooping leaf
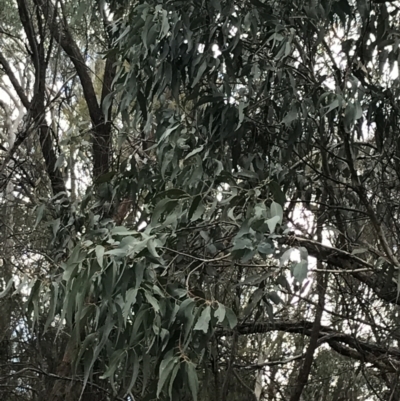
[(272, 222), (300, 271), (204, 320), (231, 318), (192, 379), (220, 313), (166, 367), (100, 254), (276, 210)]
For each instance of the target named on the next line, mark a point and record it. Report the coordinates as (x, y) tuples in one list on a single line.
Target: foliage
[(217, 199)]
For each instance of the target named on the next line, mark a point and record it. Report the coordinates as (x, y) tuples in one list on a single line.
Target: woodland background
[(199, 200)]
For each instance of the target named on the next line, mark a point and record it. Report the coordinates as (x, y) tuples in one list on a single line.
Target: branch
[(16, 101), (101, 139), (56, 178), (57, 377), (270, 363), (195, 257), (20, 92), (376, 280), (6, 109), (35, 120), (356, 349), (109, 74), (244, 385), (63, 36), (30, 33)]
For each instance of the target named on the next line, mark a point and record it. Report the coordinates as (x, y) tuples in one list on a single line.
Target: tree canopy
[(199, 200)]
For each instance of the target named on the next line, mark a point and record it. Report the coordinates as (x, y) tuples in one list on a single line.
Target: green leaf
[(100, 254), (231, 318), (60, 161), (135, 371), (358, 251), (130, 299), (151, 246), (93, 354), (200, 73), (332, 106), (166, 367), (303, 253), (164, 25), (290, 116), (107, 177), (277, 193), (349, 116), (146, 369), (152, 301), (363, 9), (117, 252), (193, 380), (272, 222), (358, 110), (53, 305), (265, 248), (300, 271), (40, 212), (88, 361), (114, 361), (398, 285), (276, 210), (107, 101), (194, 152), (85, 346), (122, 230), (171, 382), (220, 313), (197, 209), (34, 299), (174, 193), (163, 207), (167, 133), (275, 298), (256, 279), (254, 300), (242, 106), (7, 289), (285, 257), (242, 243), (139, 271), (204, 320)]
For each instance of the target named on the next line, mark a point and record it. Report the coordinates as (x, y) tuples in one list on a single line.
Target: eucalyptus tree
[(236, 235), (51, 110)]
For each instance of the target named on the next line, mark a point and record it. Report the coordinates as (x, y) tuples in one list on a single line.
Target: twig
[(195, 257), (271, 363), (57, 377)]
